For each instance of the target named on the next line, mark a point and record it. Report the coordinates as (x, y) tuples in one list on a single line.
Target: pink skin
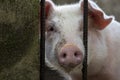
[(64, 48), (70, 56)]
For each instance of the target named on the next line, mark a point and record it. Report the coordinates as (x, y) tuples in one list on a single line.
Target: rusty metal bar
[(42, 39), (85, 39)]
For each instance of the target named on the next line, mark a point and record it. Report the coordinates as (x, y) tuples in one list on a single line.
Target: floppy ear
[(49, 7), (100, 20)]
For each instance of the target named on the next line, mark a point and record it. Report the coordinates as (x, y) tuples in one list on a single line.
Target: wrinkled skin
[(64, 24)]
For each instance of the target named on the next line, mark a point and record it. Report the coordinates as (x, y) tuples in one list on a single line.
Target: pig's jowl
[(64, 41)]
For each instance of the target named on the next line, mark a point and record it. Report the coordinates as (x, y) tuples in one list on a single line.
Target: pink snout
[(70, 56)]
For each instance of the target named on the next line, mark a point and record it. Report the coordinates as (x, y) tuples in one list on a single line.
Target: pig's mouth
[(68, 68)]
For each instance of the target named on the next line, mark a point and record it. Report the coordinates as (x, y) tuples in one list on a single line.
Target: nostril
[(77, 54), (64, 55)]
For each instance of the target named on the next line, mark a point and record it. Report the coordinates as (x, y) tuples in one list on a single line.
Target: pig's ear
[(99, 18), (49, 5)]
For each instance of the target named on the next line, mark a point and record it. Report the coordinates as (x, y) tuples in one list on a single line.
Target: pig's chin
[(71, 69)]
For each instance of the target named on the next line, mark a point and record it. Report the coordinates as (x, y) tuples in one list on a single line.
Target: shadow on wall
[(19, 40)]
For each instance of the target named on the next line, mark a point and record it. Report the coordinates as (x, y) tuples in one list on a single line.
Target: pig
[(64, 49)]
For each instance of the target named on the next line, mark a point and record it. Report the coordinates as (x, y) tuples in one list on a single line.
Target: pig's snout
[(70, 56)]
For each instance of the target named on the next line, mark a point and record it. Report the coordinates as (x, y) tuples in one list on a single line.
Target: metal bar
[(42, 39), (85, 39)]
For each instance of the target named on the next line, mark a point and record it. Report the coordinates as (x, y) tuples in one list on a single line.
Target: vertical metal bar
[(42, 39), (85, 39)]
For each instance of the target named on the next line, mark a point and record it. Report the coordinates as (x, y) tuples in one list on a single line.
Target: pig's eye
[(51, 28)]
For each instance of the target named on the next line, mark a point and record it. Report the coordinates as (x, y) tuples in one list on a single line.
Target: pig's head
[(64, 35)]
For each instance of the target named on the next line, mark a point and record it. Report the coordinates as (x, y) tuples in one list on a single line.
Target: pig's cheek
[(48, 35), (90, 49), (49, 47), (50, 50), (49, 54)]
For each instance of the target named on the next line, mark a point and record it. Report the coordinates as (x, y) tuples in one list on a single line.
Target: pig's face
[(64, 37), (63, 29)]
